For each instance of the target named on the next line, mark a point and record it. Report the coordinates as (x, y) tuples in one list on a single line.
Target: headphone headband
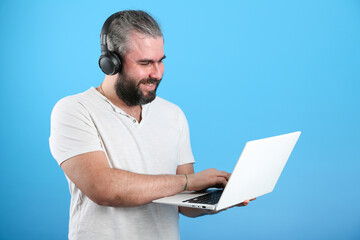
[(106, 26)]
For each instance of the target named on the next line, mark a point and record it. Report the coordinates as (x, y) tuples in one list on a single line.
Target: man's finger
[(221, 181), (223, 174)]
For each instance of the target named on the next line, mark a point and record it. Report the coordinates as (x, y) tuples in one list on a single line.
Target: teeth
[(149, 84)]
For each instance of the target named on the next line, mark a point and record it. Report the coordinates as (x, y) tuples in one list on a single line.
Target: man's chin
[(148, 99), (149, 94)]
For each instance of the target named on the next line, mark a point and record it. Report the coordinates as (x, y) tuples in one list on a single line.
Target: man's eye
[(144, 63)]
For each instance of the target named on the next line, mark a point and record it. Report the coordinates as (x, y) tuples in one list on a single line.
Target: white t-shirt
[(157, 145)]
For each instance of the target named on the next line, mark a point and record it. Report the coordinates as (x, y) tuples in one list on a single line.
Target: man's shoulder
[(72, 102)]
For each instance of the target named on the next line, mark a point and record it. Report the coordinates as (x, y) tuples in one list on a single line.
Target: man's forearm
[(128, 189), (121, 188), (91, 173)]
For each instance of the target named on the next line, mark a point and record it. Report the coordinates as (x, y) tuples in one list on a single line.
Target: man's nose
[(157, 71)]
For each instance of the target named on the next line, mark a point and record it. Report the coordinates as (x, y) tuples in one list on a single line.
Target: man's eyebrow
[(150, 60)]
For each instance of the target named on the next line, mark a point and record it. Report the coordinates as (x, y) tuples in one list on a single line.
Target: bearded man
[(121, 146)]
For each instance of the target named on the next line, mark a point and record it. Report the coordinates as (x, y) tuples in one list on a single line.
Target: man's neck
[(106, 88)]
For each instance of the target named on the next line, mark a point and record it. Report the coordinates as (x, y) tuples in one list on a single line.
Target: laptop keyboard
[(210, 198)]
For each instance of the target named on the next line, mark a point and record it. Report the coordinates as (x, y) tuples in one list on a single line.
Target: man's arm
[(91, 173)]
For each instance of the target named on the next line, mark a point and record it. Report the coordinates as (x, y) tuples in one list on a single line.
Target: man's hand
[(206, 179), (203, 180)]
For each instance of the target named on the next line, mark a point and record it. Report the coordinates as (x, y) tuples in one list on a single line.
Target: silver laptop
[(255, 174)]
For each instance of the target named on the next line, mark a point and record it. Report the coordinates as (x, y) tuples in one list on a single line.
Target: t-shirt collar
[(144, 107)]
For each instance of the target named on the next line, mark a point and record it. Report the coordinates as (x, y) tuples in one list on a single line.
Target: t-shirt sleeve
[(72, 131), (185, 154)]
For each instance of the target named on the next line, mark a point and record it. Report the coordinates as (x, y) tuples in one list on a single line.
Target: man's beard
[(131, 94)]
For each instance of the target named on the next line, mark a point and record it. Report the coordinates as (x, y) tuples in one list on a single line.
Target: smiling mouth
[(150, 82), (150, 87)]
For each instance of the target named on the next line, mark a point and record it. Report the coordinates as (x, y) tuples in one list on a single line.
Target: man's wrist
[(186, 184)]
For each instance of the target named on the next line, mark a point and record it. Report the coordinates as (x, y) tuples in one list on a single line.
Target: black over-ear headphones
[(109, 62)]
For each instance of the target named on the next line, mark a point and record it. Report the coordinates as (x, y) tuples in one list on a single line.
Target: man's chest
[(149, 147)]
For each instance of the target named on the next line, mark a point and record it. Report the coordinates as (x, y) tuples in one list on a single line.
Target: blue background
[(240, 70)]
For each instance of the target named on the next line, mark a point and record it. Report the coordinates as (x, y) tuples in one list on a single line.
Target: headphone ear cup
[(110, 63)]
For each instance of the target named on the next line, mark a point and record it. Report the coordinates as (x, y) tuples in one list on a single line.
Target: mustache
[(149, 81)]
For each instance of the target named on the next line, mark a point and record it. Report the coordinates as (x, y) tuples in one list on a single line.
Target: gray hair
[(125, 23)]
